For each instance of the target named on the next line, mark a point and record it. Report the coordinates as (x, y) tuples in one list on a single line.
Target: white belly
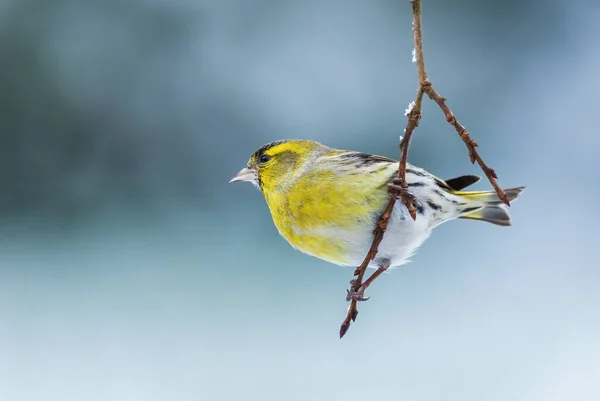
[(402, 238)]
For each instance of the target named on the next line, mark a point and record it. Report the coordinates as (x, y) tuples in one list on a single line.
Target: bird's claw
[(358, 295), (398, 190)]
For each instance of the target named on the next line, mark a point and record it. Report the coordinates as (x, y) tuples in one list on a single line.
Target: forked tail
[(488, 207)]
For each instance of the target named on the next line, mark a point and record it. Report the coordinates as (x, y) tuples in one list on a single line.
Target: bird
[(326, 202)]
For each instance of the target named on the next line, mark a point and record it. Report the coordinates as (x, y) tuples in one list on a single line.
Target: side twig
[(424, 86), (466, 138)]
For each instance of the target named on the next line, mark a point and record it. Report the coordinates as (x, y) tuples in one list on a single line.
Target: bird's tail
[(486, 206)]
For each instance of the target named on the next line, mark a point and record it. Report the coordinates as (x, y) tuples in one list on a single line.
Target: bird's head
[(276, 165)]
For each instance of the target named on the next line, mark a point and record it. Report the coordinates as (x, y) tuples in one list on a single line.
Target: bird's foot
[(357, 294), (398, 190)]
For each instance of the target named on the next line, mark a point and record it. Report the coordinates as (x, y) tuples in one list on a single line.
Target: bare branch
[(424, 86)]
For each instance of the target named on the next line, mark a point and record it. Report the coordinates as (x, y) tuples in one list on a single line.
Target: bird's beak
[(245, 174)]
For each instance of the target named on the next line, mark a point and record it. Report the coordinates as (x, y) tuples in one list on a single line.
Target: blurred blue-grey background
[(131, 270)]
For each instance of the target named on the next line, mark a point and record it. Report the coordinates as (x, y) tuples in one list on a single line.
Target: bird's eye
[(264, 158)]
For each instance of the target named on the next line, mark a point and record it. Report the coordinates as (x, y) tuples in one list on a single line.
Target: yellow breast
[(321, 211)]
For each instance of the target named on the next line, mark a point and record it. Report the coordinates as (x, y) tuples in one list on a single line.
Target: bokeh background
[(131, 270)]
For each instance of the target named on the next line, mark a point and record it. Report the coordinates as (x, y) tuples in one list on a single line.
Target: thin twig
[(466, 138), (414, 116), (424, 86), (413, 121)]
